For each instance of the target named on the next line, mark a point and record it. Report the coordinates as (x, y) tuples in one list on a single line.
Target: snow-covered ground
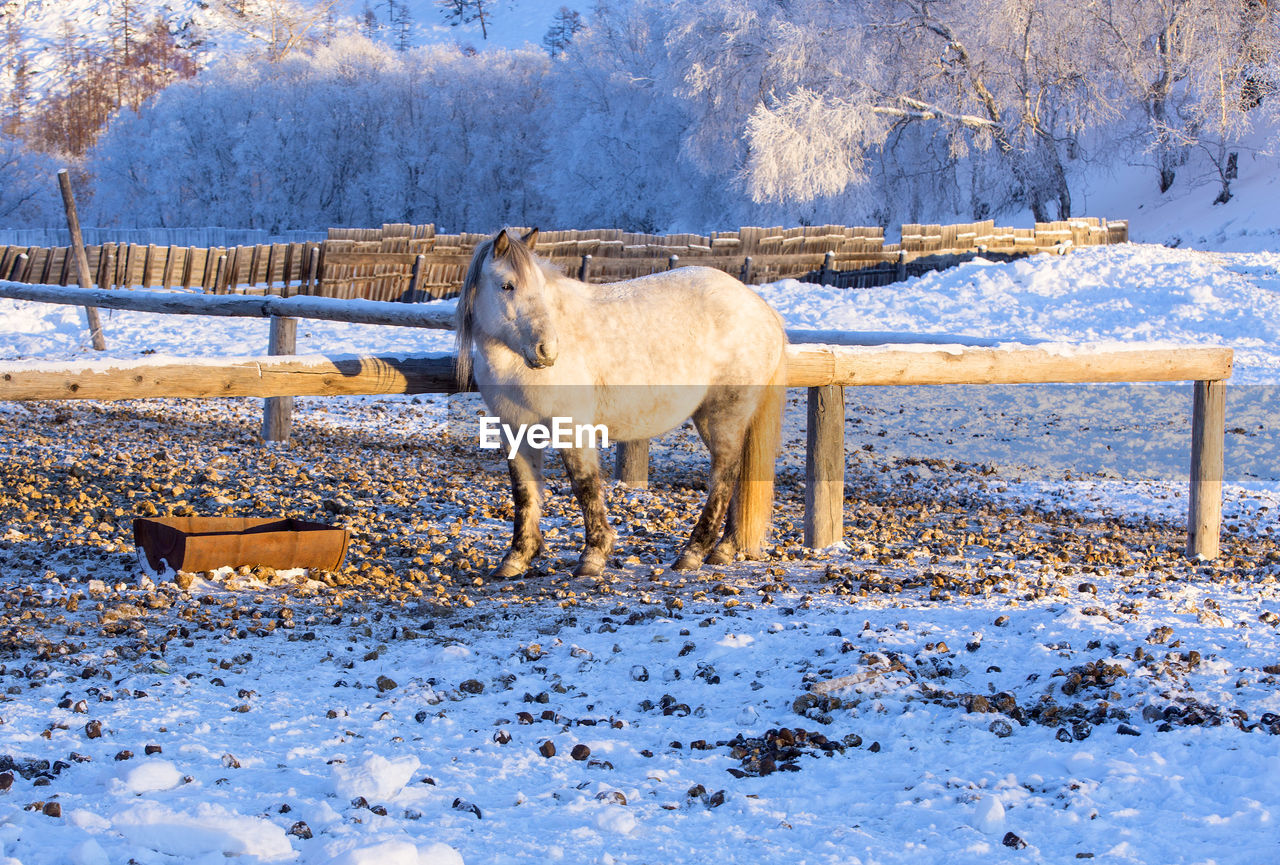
[(1011, 662)]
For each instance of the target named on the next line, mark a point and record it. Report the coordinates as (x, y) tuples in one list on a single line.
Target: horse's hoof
[(588, 569), (506, 571), (687, 562), (721, 556), (590, 565)]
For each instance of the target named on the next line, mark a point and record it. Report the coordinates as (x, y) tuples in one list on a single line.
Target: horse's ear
[(530, 238), (501, 244)]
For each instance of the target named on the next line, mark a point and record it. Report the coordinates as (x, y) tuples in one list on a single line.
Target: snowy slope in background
[(513, 23), (1186, 216)]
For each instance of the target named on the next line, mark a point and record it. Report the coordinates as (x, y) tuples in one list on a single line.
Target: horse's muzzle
[(544, 354)]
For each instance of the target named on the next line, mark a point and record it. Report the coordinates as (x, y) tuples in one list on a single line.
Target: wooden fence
[(825, 370), (413, 262)]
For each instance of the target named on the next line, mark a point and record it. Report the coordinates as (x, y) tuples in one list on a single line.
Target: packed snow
[(630, 728)]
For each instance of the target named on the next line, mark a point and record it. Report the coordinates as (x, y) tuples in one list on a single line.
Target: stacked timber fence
[(409, 263)]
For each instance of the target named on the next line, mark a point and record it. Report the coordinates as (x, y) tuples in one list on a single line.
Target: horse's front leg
[(526, 490), (583, 466)]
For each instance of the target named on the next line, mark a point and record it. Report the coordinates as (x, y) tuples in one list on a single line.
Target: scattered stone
[(1001, 728), (547, 748), (1012, 840), (386, 683), (468, 807), (93, 730), (300, 830), (580, 752), (472, 686)]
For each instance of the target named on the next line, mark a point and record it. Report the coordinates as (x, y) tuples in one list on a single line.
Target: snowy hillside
[(45, 31), (508, 23)]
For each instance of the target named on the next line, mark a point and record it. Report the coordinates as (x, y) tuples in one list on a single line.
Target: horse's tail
[(759, 460)]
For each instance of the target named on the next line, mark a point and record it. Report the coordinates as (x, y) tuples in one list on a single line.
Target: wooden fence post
[(82, 260), (584, 269), (632, 465), (1208, 430), (902, 266), (415, 278), (824, 468), (277, 411), (673, 262), (746, 271), (19, 267), (827, 275)]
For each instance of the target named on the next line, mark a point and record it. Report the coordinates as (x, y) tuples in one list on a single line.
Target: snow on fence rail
[(413, 262), (825, 370)]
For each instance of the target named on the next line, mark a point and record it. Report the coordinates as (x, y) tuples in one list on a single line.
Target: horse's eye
[(508, 286)]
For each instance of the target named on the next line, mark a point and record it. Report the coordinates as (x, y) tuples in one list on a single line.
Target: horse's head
[(505, 298)]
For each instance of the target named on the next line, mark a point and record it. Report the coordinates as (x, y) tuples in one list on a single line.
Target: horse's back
[(700, 301)]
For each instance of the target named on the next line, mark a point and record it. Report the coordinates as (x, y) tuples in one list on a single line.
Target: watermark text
[(562, 433)]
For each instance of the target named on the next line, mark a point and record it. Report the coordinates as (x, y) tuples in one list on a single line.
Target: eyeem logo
[(563, 433)]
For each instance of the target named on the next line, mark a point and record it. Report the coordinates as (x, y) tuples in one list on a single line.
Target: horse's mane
[(522, 260)]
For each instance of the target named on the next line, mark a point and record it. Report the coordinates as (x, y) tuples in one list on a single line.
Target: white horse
[(639, 356)]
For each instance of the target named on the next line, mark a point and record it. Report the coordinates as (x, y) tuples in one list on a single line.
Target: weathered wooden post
[(277, 411), (82, 260), (219, 273), (632, 465), (824, 468), (584, 269), (313, 271), (415, 277), (1208, 430), (746, 271), (19, 267), (673, 262), (902, 265), (827, 275)]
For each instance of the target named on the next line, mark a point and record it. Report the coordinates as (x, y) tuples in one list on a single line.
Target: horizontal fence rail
[(808, 366), (414, 262), (355, 311)]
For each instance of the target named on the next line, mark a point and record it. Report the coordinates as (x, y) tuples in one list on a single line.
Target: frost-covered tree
[(27, 184), (566, 24), (17, 68), (458, 12), (1201, 72), (401, 26), (355, 133), (277, 27), (819, 86)]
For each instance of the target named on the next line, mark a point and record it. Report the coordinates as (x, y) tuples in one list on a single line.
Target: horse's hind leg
[(583, 465), (526, 490), (723, 438), (725, 551)]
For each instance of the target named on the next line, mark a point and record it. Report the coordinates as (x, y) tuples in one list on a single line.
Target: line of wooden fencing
[(413, 262), (825, 370)]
